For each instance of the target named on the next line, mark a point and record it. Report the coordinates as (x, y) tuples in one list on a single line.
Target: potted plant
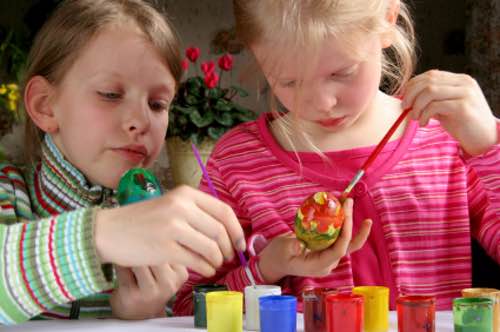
[(13, 54), (201, 113)]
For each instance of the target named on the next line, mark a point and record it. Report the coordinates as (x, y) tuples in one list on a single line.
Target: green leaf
[(216, 132), (201, 120), (241, 92), (224, 118), (215, 93), (222, 105), (240, 108), (195, 81), (194, 86), (196, 138), (181, 109), (191, 100), (246, 115), (182, 120)]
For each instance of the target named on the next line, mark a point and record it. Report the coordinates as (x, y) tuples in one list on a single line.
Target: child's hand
[(143, 292), (285, 255), (184, 227), (457, 102)]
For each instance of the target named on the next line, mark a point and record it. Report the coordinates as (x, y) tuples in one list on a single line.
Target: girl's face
[(112, 105), (333, 92)]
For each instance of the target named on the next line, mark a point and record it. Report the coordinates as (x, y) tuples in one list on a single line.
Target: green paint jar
[(473, 314), (199, 302)]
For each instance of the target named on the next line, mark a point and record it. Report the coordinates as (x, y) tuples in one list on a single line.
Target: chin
[(108, 179)]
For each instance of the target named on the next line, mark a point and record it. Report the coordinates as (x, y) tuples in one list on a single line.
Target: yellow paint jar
[(376, 307), (224, 311)]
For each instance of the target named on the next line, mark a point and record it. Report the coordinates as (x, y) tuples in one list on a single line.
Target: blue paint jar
[(278, 313)]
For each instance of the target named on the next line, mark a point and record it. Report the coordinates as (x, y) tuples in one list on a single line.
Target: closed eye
[(346, 72), (288, 84), (109, 95)]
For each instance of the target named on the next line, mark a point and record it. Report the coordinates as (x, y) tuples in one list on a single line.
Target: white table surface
[(444, 323)]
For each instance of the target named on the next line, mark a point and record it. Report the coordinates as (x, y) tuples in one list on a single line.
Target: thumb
[(295, 247), (359, 240)]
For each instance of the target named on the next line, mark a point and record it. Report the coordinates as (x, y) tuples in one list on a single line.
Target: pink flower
[(226, 62), (193, 53), (211, 79), (208, 67), (185, 64)]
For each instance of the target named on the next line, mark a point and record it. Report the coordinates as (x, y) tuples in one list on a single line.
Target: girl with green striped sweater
[(100, 79)]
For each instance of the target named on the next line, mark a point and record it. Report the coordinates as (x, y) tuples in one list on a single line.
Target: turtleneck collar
[(57, 186)]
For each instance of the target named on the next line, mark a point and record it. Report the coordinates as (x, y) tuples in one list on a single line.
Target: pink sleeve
[(484, 198)]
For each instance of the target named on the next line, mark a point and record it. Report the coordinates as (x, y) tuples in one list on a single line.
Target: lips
[(133, 153), (331, 122)]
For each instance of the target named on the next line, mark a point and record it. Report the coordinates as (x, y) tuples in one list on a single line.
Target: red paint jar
[(315, 307), (344, 313), (416, 313)]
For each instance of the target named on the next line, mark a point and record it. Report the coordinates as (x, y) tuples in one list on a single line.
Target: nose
[(323, 97), (137, 120)]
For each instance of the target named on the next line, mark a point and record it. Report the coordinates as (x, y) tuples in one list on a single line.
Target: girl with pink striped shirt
[(334, 69)]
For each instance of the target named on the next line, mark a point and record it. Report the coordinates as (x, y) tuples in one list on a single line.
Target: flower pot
[(183, 164)]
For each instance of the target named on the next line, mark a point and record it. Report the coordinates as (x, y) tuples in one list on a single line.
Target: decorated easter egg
[(137, 184), (319, 220)]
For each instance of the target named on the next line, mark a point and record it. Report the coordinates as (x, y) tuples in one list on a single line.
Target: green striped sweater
[(47, 253)]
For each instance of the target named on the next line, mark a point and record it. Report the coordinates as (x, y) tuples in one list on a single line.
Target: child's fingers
[(125, 277), (145, 279), (437, 77), (213, 229), (436, 108), (223, 214), (293, 246), (431, 81), (181, 273), (431, 93), (199, 243), (346, 232), (163, 275), (169, 277), (359, 240), (340, 246), (185, 257)]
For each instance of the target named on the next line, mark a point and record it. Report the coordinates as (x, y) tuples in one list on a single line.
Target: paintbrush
[(373, 155), (211, 187)]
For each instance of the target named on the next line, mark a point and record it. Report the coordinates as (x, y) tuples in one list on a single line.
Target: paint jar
[(416, 313), (344, 312), (315, 307), (252, 295), (278, 313), (491, 293), (473, 314), (224, 311), (376, 307), (199, 304)]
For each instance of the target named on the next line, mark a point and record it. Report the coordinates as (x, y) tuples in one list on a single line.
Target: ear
[(37, 102), (392, 18)]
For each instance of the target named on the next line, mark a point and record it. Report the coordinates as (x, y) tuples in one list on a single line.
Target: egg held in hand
[(319, 220)]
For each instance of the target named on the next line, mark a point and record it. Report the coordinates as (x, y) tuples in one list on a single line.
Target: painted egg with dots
[(318, 220), (136, 185)]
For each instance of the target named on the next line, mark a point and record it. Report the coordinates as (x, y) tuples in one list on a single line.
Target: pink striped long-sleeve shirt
[(425, 197)]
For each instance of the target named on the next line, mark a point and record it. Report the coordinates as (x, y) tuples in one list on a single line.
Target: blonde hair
[(69, 29), (302, 25)]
